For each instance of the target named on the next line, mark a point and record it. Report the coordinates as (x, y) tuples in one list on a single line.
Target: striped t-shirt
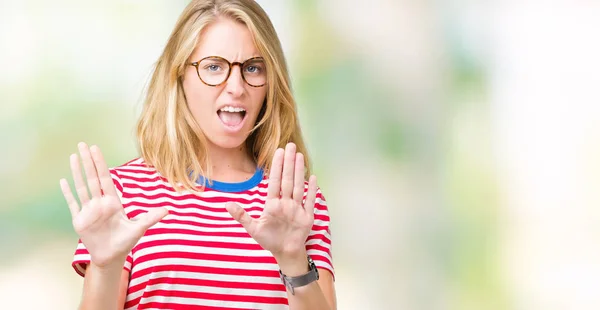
[(198, 256)]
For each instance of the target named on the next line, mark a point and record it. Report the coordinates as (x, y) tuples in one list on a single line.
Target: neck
[(231, 165)]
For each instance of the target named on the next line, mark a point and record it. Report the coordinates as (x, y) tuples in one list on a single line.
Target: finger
[(274, 189), (71, 202), (151, 218), (80, 187), (311, 196), (90, 170), (299, 178), (108, 187), (287, 177), (241, 216)]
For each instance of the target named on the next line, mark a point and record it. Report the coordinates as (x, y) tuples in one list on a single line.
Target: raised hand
[(101, 223), (285, 222)]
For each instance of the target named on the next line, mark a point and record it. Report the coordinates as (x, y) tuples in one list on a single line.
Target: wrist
[(293, 264), (114, 266)]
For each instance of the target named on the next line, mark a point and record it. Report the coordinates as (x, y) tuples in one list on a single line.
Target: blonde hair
[(169, 138)]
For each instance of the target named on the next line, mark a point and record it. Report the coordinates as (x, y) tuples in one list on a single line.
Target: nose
[(235, 82)]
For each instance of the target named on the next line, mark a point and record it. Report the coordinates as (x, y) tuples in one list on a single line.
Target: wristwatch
[(305, 279)]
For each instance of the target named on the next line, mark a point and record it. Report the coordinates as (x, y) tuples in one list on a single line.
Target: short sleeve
[(82, 257), (318, 243)]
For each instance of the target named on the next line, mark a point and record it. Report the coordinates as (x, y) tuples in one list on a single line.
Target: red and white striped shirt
[(198, 256)]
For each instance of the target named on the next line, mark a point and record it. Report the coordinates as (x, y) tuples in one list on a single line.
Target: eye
[(255, 67), (212, 67), (252, 69)]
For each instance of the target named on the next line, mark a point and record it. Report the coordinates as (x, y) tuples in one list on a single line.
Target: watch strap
[(305, 279)]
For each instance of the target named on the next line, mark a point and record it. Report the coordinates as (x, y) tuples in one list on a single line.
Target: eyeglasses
[(215, 70)]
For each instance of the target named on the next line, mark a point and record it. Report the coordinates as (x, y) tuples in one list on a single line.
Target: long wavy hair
[(169, 137)]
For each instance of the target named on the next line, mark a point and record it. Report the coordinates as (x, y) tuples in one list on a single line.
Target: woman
[(214, 214)]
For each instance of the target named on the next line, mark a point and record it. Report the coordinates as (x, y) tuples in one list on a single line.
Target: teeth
[(232, 109)]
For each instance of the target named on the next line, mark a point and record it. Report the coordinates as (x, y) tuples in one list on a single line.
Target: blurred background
[(457, 142)]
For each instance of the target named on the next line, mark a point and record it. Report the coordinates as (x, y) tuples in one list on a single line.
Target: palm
[(102, 225), (282, 217), (105, 230), (286, 220)]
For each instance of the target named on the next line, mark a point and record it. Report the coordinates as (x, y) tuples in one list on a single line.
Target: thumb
[(151, 217), (241, 216)]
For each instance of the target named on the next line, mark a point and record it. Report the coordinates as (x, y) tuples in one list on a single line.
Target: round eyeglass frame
[(231, 64)]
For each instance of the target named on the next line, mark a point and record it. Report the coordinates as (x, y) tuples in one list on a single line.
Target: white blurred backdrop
[(457, 143)]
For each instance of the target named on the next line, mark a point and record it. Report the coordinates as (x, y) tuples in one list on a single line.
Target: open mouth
[(231, 116)]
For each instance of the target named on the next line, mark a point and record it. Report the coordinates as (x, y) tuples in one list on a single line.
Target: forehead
[(227, 38)]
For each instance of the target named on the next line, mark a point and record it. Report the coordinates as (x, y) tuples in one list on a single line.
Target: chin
[(228, 142)]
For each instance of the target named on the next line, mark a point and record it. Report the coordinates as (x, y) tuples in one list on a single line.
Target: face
[(226, 112)]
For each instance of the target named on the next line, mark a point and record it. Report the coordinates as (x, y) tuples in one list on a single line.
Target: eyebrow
[(219, 55), (257, 58)]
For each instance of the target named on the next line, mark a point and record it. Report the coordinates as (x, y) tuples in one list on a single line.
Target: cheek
[(259, 97), (200, 101)]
